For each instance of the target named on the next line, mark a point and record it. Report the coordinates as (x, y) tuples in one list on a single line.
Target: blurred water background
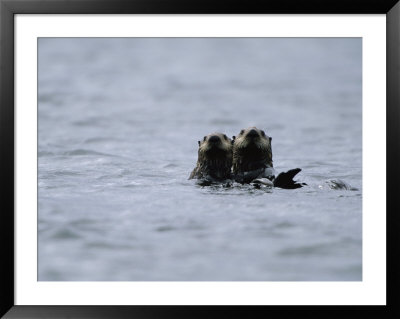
[(119, 121)]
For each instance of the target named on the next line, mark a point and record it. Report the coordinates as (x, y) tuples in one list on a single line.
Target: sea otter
[(252, 160), (214, 160)]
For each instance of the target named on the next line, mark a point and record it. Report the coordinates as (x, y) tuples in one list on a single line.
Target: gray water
[(119, 121)]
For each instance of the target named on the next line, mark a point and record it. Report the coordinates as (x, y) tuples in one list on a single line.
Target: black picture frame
[(8, 8)]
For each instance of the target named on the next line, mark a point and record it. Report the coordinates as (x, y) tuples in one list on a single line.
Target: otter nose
[(252, 133), (214, 139)]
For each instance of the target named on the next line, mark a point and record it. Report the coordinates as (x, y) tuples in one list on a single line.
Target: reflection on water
[(119, 121)]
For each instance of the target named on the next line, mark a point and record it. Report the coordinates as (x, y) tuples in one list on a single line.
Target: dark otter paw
[(285, 180)]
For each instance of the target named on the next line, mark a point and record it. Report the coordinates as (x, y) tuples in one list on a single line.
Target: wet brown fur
[(251, 153), (214, 159)]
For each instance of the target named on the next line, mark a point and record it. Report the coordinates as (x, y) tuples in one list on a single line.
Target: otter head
[(251, 150), (214, 157)]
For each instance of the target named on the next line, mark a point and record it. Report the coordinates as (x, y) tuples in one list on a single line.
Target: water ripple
[(85, 152)]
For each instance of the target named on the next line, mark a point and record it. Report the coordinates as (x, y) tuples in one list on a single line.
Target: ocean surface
[(119, 121)]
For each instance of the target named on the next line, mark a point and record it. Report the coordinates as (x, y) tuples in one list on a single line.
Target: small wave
[(165, 228), (65, 173), (319, 164), (90, 122), (285, 224), (65, 234), (221, 121), (317, 249), (83, 152), (125, 172), (340, 185), (44, 153), (155, 174), (100, 139), (132, 184), (108, 245), (170, 165)]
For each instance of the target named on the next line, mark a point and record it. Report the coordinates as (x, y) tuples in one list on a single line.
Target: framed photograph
[(161, 155)]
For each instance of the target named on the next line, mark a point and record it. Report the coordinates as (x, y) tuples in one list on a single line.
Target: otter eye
[(225, 137), (241, 132), (262, 133)]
